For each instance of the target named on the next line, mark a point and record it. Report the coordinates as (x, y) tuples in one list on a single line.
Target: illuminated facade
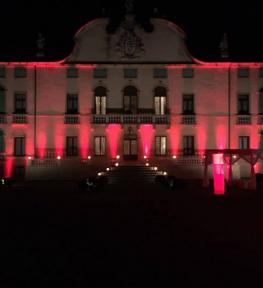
[(132, 93)]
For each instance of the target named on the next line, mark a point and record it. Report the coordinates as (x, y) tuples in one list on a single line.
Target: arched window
[(130, 102), (260, 110), (160, 100), (2, 142), (100, 94)]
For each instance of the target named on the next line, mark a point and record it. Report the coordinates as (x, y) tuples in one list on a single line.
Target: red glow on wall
[(113, 133), (220, 136), (174, 132), (201, 136), (218, 173), (42, 138), (59, 141), (84, 135), (146, 132), (8, 167)]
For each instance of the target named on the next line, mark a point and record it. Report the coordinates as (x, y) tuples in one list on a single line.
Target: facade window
[(188, 73), (130, 73), (72, 72), (160, 145), (2, 101), (243, 72), (20, 72), (100, 100), (243, 104), (188, 145), (260, 72), (72, 104), (130, 103), (260, 102), (100, 145), (72, 146), (20, 103), (244, 142), (2, 71), (19, 146), (160, 100), (100, 73), (2, 142), (188, 104), (159, 73)]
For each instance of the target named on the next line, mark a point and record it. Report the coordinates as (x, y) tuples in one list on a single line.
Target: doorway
[(130, 149)]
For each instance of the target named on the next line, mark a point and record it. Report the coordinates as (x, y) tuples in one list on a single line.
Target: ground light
[(99, 174), (107, 169), (58, 157), (144, 157), (116, 164), (147, 164), (89, 157), (174, 156), (118, 157), (165, 173), (155, 168), (29, 157)]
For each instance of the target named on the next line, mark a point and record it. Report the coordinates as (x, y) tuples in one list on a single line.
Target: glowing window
[(160, 145), (100, 94), (100, 145), (20, 72), (160, 100)]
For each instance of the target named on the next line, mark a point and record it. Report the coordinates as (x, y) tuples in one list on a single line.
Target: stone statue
[(129, 6)]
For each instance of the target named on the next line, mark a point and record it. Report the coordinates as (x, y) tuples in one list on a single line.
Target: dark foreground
[(129, 236)]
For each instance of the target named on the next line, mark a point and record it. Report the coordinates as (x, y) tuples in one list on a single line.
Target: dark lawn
[(129, 236)]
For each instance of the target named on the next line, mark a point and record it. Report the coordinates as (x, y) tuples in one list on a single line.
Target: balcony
[(71, 119), (19, 119), (3, 119), (131, 119), (188, 120), (243, 120)]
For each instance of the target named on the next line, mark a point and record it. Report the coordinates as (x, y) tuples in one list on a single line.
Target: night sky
[(59, 20)]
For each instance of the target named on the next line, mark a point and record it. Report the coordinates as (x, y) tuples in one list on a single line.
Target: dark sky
[(59, 20)]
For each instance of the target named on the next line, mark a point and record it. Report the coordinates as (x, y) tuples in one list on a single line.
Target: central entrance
[(130, 145)]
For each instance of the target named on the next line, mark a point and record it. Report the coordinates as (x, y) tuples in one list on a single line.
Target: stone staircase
[(132, 174)]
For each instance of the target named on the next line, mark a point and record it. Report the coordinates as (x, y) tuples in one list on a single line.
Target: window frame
[(72, 146), (185, 104), (72, 105), (20, 105), (243, 142), (102, 149), (240, 104), (158, 145), (19, 146)]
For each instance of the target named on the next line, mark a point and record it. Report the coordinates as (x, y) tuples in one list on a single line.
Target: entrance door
[(130, 149)]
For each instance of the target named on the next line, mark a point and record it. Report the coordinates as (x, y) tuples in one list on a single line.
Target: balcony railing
[(243, 120), (188, 120), (3, 119), (19, 119), (71, 119), (131, 119)]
